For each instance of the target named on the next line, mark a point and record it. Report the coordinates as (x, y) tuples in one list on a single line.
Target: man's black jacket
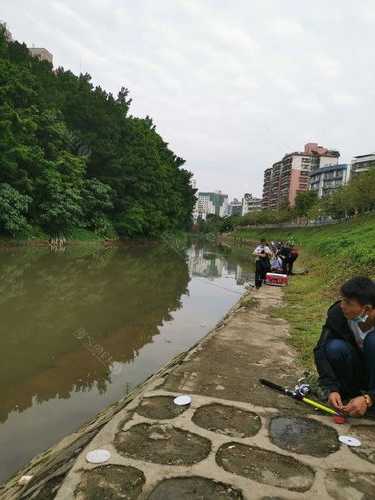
[(335, 327)]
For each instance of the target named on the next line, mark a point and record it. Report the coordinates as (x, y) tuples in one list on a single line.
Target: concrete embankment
[(237, 440)]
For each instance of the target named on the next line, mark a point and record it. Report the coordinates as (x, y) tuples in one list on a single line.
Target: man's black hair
[(361, 289)]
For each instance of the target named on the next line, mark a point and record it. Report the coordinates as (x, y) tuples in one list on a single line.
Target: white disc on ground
[(350, 441), (98, 456), (182, 400)]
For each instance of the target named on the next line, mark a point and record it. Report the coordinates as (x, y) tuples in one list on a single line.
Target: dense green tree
[(60, 208), (305, 200), (13, 210), (337, 204), (97, 206), (79, 156), (354, 198), (361, 192)]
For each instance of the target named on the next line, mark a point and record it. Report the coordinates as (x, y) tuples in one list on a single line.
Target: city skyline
[(232, 89)]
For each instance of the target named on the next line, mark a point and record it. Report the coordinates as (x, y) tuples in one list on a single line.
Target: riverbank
[(237, 440), (331, 254), (83, 236), (43, 240)]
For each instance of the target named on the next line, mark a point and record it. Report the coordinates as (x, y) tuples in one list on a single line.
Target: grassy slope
[(332, 254), (353, 241)]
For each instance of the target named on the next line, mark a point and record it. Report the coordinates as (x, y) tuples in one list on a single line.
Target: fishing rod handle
[(320, 406), (272, 385)]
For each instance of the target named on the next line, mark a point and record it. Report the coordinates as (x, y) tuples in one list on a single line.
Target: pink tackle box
[(276, 279)]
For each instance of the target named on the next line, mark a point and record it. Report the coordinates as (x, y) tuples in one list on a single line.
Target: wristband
[(368, 400)]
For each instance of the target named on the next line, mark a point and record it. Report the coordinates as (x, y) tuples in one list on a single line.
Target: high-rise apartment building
[(290, 176), (362, 163), (42, 54), (215, 203), (39, 52), (320, 156), (325, 180)]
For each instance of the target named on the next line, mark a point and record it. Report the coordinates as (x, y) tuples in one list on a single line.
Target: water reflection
[(214, 262), (85, 321), (46, 299)]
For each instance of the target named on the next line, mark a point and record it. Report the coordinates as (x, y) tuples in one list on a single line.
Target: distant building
[(215, 203), (327, 179), (250, 203), (320, 156), (362, 163), (290, 176), (42, 54), (235, 207), (8, 34)]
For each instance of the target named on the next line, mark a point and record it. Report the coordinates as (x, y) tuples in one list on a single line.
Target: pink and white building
[(289, 176)]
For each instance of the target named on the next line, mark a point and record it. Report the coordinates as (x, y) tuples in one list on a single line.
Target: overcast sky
[(231, 85)]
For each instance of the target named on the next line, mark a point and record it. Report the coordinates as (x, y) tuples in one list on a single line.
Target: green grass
[(352, 242), (307, 298), (332, 254)]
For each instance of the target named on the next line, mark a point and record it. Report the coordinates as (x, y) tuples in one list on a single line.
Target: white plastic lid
[(98, 456), (350, 440), (182, 400)]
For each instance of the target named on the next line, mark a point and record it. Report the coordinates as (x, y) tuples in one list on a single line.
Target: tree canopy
[(305, 200), (72, 156)]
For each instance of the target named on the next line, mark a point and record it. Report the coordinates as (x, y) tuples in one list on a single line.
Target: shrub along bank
[(331, 254)]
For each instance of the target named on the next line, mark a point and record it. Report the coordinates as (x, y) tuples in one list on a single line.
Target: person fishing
[(293, 256), (262, 262), (345, 353), (284, 254), (276, 264)]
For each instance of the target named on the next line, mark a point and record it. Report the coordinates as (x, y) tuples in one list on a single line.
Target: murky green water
[(79, 328)]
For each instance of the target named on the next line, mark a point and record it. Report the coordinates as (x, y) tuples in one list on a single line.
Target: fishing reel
[(302, 389)]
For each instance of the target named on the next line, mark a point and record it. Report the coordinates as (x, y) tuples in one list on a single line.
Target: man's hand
[(356, 407), (335, 400)]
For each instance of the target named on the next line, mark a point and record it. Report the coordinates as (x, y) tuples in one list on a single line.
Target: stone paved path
[(237, 440)]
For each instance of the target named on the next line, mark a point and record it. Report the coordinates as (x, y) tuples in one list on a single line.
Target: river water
[(80, 328)]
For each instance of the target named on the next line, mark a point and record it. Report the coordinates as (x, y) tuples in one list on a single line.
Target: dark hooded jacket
[(335, 327)]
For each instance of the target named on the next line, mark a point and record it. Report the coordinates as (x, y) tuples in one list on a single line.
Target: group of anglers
[(276, 257)]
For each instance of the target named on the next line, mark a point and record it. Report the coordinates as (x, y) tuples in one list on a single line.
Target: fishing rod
[(300, 395)]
